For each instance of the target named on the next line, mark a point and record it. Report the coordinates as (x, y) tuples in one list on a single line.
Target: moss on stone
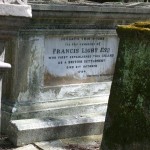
[(136, 29), (128, 115)]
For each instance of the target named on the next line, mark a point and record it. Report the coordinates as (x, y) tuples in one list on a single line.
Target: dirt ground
[(80, 143), (5, 144)]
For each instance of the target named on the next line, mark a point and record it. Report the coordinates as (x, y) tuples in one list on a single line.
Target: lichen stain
[(128, 115), (34, 85), (52, 80)]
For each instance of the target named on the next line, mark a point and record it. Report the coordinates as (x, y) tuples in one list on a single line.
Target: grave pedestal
[(60, 85), (127, 124), (61, 78)]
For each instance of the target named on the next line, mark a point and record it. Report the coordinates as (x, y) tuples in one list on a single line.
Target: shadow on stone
[(5, 143)]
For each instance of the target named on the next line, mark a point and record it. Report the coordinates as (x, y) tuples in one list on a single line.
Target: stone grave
[(13, 15), (62, 85), (63, 62)]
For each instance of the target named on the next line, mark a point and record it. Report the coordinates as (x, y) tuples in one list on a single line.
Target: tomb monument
[(63, 61)]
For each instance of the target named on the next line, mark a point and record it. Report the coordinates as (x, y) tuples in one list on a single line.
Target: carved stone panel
[(71, 60)]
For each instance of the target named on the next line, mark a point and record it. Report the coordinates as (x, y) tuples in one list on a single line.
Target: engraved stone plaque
[(72, 60)]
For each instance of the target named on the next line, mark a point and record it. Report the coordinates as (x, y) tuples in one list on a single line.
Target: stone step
[(27, 131), (61, 108)]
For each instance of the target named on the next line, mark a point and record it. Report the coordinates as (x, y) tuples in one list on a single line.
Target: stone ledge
[(27, 147), (15, 10), (128, 8), (33, 130)]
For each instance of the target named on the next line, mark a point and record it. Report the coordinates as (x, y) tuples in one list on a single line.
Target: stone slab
[(27, 147), (33, 130), (15, 10), (85, 142), (51, 145), (31, 124)]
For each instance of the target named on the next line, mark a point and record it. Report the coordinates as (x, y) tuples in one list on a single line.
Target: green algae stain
[(128, 114)]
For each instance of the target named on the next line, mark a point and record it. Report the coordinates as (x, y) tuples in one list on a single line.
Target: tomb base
[(65, 119)]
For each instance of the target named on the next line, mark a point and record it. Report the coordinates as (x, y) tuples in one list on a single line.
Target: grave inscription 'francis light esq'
[(71, 60)]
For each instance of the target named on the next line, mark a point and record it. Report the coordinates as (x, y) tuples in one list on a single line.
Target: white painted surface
[(15, 10), (80, 57), (4, 65)]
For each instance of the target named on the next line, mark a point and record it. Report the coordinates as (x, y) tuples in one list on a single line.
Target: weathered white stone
[(142, 8), (66, 107), (4, 65), (43, 129), (21, 2), (79, 58), (52, 145), (15, 10), (27, 147)]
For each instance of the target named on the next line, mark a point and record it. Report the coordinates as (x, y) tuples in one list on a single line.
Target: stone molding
[(20, 2)]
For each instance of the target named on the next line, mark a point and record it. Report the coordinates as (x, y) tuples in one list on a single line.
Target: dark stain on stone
[(127, 125)]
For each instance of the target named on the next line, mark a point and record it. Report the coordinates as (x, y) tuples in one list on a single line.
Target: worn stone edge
[(15, 10), (126, 8)]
